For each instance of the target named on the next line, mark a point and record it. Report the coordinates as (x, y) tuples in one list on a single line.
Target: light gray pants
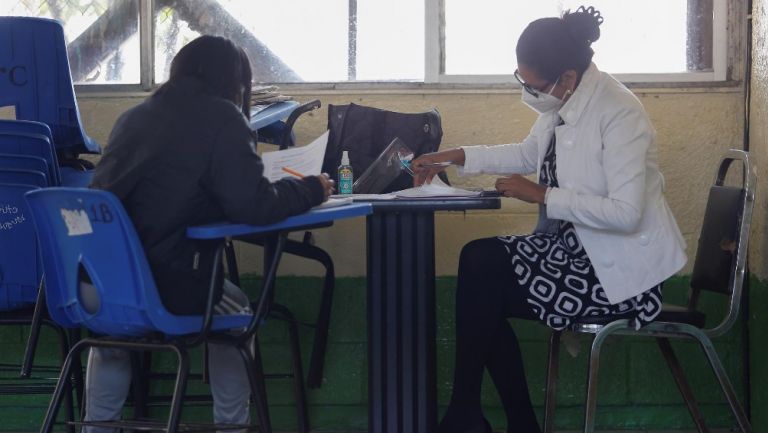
[(108, 377)]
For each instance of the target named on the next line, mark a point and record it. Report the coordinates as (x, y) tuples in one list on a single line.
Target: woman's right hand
[(423, 173)]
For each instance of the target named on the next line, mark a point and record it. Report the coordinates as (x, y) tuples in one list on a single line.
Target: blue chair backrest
[(24, 177), (29, 144), (37, 80), (20, 265), (87, 232), (30, 127), (24, 162)]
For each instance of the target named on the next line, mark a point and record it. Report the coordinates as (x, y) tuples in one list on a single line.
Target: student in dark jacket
[(186, 156)]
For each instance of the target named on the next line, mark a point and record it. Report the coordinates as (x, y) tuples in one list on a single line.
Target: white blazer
[(610, 186)]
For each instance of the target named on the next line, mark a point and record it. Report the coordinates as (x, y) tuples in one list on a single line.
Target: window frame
[(723, 38)]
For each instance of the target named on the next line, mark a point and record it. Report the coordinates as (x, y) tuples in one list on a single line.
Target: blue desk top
[(273, 113), (315, 216)]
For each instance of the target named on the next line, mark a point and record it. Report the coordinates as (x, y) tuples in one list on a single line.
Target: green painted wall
[(636, 390)]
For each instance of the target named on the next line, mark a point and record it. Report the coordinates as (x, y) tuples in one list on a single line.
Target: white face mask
[(545, 102)]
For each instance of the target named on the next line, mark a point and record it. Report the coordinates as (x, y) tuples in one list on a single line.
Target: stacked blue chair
[(38, 83), (27, 162), (86, 235), (22, 274)]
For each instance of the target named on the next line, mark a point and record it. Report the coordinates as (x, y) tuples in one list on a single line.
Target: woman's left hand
[(519, 187)]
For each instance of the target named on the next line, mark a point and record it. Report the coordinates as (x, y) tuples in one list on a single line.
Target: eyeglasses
[(527, 87)]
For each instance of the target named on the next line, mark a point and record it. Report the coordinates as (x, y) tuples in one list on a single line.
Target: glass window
[(293, 41), (303, 40), (102, 36), (478, 42)]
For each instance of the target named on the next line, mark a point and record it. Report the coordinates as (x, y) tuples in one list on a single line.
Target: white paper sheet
[(307, 160), (334, 202), (437, 188)]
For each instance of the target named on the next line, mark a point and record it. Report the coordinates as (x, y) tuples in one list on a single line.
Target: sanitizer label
[(345, 181)]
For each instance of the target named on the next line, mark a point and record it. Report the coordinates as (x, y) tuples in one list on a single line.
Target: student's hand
[(327, 184), (521, 188), (422, 173)]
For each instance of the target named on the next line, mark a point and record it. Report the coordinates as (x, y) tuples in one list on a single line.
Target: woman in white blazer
[(606, 238)]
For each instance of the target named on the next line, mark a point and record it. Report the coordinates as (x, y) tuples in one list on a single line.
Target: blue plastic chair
[(38, 82), (86, 236), (14, 127), (25, 162), (28, 126), (20, 268), (23, 177), (72, 173), (88, 231), (30, 144), (22, 276)]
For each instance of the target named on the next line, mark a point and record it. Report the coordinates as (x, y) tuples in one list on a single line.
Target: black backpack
[(365, 132)]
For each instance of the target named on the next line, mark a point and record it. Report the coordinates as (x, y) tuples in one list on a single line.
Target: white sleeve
[(626, 140), (520, 158)]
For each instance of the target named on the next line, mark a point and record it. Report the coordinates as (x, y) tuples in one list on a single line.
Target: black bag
[(365, 132)]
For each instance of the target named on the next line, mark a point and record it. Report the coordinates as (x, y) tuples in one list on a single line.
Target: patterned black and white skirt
[(562, 285)]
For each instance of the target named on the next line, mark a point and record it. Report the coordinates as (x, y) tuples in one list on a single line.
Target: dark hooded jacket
[(185, 157)]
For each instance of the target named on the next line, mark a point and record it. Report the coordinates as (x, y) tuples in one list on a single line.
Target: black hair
[(222, 67), (551, 46)]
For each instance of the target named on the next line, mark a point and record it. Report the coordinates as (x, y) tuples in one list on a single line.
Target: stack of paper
[(266, 95), (437, 188)]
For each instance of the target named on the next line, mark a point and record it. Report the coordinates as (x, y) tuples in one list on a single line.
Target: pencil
[(293, 172)]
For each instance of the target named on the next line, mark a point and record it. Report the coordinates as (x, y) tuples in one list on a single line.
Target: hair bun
[(584, 24)]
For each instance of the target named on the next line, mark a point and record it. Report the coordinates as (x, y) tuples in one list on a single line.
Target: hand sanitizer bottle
[(346, 177)]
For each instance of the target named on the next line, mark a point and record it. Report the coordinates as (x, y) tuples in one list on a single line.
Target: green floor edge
[(635, 390)]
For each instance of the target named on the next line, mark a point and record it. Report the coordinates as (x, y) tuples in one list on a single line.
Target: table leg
[(402, 380)]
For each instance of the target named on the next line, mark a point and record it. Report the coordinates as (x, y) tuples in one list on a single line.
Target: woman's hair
[(551, 46), (222, 67)]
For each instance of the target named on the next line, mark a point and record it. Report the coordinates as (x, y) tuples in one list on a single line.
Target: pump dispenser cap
[(345, 157)]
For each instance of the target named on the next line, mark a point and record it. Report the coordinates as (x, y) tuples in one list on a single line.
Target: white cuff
[(546, 194)]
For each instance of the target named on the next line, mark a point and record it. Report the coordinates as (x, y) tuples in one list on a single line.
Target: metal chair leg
[(139, 385), (590, 408), (73, 335), (722, 377), (68, 400), (174, 415), (229, 253), (322, 325), (297, 369), (553, 364), (255, 371), (34, 331), (62, 386), (682, 384)]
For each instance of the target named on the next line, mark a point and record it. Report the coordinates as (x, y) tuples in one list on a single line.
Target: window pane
[(479, 42), (287, 40), (302, 40), (102, 36), (390, 40)]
